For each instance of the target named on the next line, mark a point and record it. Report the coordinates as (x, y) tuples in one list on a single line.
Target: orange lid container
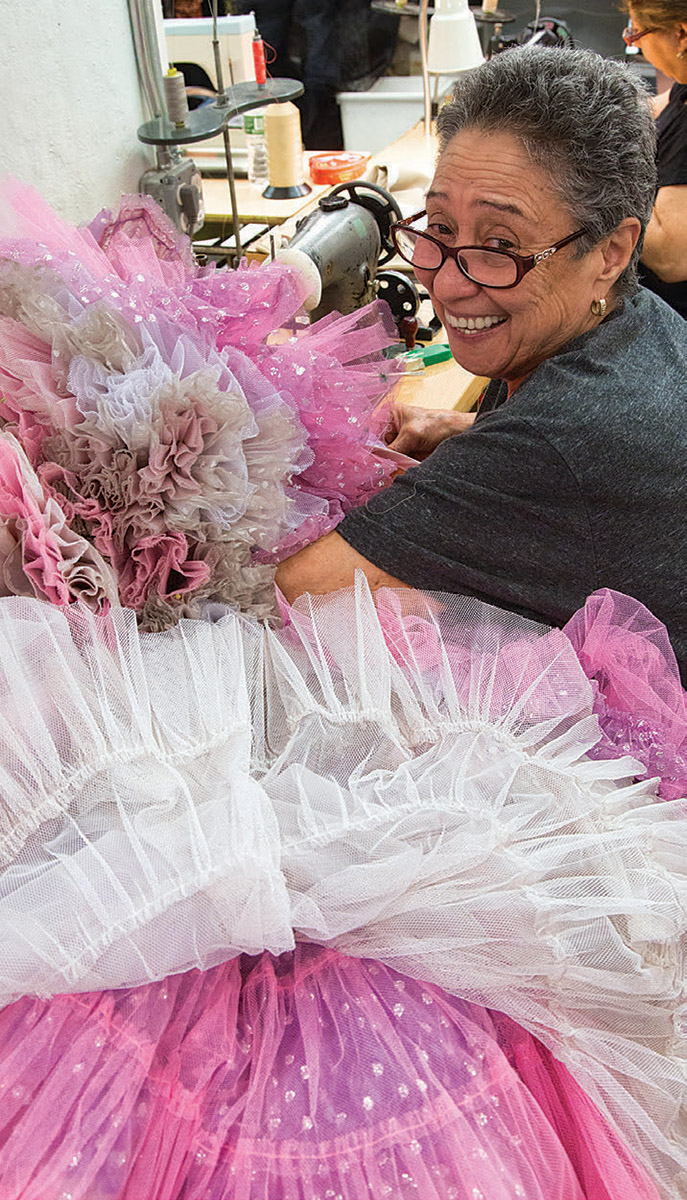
[(340, 166)]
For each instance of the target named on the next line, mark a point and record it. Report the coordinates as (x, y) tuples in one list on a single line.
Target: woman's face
[(487, 192), (661, 47)]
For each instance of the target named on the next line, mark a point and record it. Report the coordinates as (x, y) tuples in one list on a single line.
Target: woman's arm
[(326, 566), (331, 563), (665, 243)]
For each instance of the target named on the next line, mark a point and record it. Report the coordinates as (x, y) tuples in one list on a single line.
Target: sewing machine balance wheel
[(400, 293), (380, 203)]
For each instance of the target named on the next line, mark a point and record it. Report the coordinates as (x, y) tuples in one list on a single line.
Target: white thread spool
[(284, 152), (175, 96)]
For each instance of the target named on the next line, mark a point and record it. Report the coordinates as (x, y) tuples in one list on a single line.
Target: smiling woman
[(572, 475), (507, 328)]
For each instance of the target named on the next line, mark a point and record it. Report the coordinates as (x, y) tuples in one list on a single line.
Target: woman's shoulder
[(642, 344), (610, 377), (678, 94), (637, 356)]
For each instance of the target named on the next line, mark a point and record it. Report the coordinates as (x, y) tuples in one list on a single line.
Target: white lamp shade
[(454, 44)]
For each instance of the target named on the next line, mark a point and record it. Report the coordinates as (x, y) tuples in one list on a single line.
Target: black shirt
[(671, 160), (578, 481)]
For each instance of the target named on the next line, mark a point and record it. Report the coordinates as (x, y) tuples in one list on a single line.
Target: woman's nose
[(449, 283)]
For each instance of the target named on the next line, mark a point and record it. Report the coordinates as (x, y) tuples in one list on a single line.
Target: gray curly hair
[(583, 119)]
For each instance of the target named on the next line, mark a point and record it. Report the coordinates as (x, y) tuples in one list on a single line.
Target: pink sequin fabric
[(189, 422), (308, 1077)]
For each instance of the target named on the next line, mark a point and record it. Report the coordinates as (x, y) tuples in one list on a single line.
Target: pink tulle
[(128, 403), (641, 704), (21, 505), (312, 1075), (602, 1164), (40, 555)]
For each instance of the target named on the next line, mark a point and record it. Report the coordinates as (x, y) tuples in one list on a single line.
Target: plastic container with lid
[(337, 167), (372, 119)]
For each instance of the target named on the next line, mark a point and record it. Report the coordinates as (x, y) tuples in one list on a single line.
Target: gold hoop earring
[(598, 308)]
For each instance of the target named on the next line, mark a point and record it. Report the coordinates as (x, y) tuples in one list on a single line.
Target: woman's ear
[(616, 249)]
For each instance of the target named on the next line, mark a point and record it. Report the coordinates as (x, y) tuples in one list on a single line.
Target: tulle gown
[(305, 895)]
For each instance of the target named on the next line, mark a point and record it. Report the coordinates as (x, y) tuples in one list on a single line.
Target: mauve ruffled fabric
[(187, 421)]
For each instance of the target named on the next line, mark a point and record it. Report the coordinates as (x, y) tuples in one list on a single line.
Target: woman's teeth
[(473, 324)]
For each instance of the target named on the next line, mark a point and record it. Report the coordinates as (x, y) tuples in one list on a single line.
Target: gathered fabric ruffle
[(308, 1075), (324, 905), (406, 778), (189, 422), (640, 701)]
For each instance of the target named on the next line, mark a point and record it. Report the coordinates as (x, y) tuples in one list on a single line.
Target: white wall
[(70, 102)]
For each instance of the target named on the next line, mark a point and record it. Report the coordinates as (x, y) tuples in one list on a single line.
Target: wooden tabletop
[(412, 155), (444, 385), (252, 205)]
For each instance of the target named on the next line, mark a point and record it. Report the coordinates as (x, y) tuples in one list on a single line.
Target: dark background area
[(598, 24), (346, 45)]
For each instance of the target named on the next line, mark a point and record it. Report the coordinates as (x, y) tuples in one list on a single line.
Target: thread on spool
[(175, 96), (259, 63), (284, 145)]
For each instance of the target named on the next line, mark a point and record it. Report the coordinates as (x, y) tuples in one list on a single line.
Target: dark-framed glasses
[(481, 264), (632, 36)]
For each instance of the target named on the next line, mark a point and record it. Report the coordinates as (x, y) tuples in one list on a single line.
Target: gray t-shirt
[(578, 482)]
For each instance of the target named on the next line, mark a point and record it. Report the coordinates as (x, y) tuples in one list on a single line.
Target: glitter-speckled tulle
[(189, 421), (308, 1076), (407, 779), (640, 701)]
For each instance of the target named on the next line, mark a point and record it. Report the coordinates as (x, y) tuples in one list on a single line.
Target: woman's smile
[(473, 325)]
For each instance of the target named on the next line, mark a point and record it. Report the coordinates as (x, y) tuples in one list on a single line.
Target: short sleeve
[(494, 513), (672, 140)]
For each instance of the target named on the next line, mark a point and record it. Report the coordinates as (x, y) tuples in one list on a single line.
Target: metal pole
[(146, 52), (425, 72), (223, 99)]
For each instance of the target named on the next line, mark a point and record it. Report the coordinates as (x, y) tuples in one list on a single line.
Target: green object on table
[(438, 352)]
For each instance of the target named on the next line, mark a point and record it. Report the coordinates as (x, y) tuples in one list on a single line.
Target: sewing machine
[(340, 247)]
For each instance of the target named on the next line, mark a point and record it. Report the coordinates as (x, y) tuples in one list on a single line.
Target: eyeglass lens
[(488, 267)]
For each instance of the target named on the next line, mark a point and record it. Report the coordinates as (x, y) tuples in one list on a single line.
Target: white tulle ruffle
[(406, 779)]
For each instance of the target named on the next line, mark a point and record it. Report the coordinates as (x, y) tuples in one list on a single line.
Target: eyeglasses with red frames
[(632, 36), (481, 264)]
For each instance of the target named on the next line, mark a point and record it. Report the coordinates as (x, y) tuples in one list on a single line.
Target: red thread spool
[(259, 60)]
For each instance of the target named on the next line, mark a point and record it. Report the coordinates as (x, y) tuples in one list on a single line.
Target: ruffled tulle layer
[(640, 702), (420, 780), (189, 422), (307, 1076), (408, 780)]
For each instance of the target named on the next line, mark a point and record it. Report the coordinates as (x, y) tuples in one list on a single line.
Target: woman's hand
[(418, 431)]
